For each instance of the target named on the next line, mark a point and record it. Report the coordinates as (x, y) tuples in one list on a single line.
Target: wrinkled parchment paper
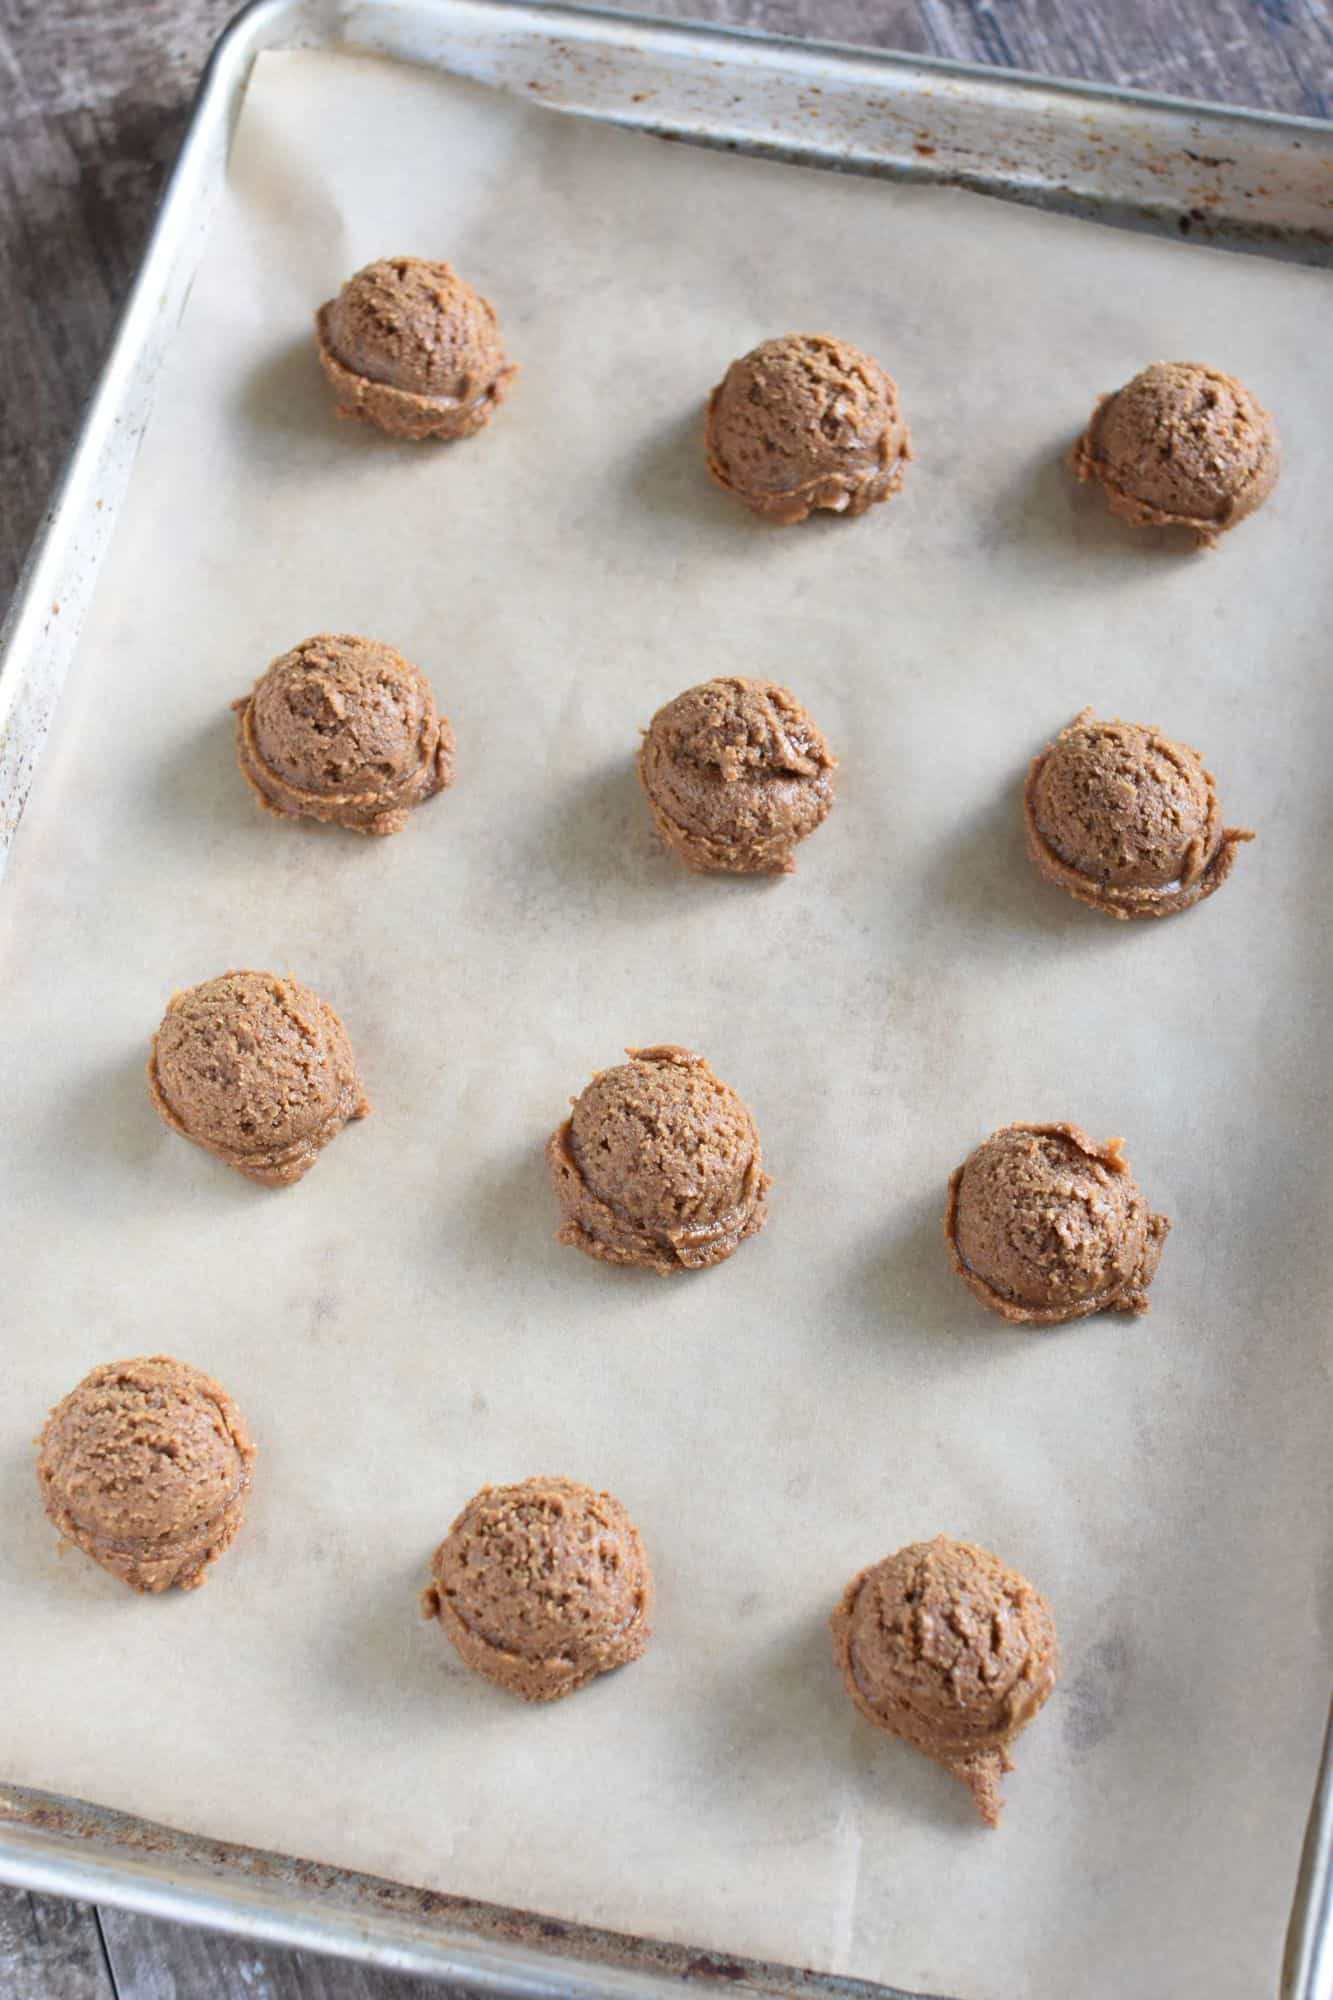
[(401, 1328)]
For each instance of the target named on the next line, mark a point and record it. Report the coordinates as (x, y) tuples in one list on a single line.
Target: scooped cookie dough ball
[(346, 730), (1181, 446), (146, 1466), (541, 1587), (659, 1166), (1127, 820), (1044, 1225), (256, 1069), (410, 347), (803, 422), (737, 775), (945, 1648)]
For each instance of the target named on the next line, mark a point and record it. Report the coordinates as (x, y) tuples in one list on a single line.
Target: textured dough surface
[(1183, 446), (737, 775), (257, 1069), (1045, 1225), (1127, 820), (540, 1587), (343, 729), (946, 1648), (410, 347), (659, 1165), (146, 1466), (804, 422)]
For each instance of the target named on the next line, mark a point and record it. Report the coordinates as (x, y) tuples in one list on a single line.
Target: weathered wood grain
[(156, 1961), (93, 99), (50, 1949), (1277, 54)]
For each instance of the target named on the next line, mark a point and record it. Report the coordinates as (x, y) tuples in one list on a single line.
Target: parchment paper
[(401, 1328)]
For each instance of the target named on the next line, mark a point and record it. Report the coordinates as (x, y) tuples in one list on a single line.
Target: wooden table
[(93, 99)]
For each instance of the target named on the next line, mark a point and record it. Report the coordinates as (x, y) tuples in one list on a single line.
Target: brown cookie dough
[(948, 1650), (659, 1166), (1126, 820), (1181, 446), (737, 775), (806, 421), (146, 1466), (541, 1587), (256, 1069), (1044, 1225), (411, 348), (343, 729)]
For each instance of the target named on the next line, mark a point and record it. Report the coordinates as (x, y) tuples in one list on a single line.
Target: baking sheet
[(401, 1328)]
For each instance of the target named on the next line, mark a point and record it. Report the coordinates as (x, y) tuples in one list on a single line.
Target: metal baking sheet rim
[(1240, 179)]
